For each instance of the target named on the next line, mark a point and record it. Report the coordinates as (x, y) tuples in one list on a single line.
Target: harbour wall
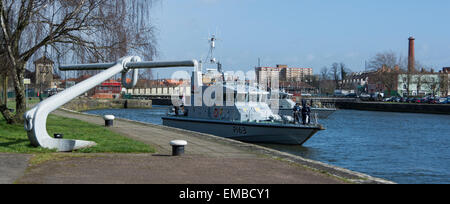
[(396, 107), (83, 104)]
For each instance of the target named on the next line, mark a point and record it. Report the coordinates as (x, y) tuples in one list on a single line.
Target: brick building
[(283, 73), (43, 74), (107, 90)]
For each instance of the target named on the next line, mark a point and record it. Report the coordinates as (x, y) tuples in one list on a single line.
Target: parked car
[(415, 100), (351, 95), (411, 100), (391, 99), (396, 99), (376, 96), (434, 100), (425, 100), (364, 97), (51, 91), (444, 101)]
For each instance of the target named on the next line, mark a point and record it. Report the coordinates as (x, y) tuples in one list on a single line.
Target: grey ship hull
[(322, 113), (246, 132)]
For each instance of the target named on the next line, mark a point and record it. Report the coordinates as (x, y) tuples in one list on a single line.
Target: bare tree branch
[(85, 30)]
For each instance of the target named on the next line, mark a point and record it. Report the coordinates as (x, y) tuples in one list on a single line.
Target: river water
[(401, 147)]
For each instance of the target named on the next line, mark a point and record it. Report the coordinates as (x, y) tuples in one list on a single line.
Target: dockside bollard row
[(36, 118)]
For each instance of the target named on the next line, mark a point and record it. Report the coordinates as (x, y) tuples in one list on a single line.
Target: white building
[(421, 84), (357, 81)]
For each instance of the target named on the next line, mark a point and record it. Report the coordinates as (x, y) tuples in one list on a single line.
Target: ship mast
[(212, 60), (212, 43)]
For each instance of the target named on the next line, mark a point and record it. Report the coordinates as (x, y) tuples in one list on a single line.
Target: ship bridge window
[(253, 98), (241, 97), (228, 97), (263, 98)]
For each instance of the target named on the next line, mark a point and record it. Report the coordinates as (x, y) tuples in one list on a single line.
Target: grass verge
[(14, 139)]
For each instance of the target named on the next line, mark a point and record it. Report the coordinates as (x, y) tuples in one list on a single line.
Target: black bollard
[(178, 147), (109, 120)]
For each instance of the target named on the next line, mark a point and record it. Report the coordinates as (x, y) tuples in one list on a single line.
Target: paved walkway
[(12, 166), (208, 160), (189, 169)]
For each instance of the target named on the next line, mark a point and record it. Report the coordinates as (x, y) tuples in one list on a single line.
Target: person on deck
[(297, 113), (308, 114)]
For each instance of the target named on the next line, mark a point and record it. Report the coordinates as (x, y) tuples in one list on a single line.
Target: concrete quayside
[(262, 165)]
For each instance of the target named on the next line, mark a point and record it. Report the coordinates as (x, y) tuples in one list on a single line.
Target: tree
[(344, 70), (431, 83), (387, 66), (427, 81), (327, 87), (324, 75), (326, 84), (338, 72), (335, 73), (388, 59), (3, 77), (388, 78), (443, 83), (74, 30)]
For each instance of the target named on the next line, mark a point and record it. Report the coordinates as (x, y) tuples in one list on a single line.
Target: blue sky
[(302, 33)]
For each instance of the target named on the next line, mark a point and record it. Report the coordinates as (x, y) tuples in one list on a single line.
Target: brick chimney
[(411, 55)]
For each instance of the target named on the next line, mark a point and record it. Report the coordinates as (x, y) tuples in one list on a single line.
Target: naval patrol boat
[(240, 111)]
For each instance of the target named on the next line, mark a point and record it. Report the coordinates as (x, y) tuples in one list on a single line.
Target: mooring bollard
[(178, 147), (109, 120)]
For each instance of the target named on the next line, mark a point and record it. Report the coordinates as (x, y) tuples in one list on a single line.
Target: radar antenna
[(212, 42)]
